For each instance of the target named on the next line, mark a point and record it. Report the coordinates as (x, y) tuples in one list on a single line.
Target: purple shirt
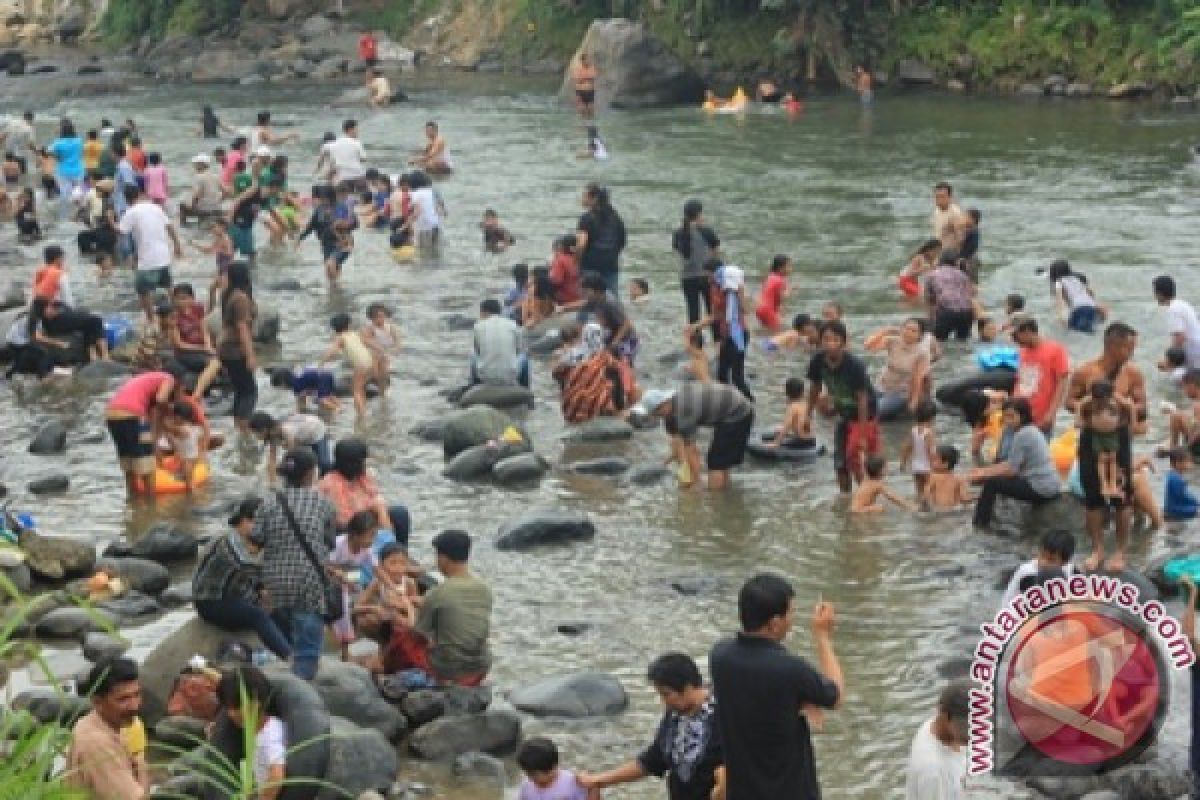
[(565, 787)]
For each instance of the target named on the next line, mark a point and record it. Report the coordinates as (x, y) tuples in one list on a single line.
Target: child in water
[(868, 498), (514, 300), (496, 239), (1179, 503), (945, 491), (220, 247), (350, 345), (698, 365), (1174, 363), (1055, 551), (1104, 415), (544, 780), (923, 261), (639, 291), (183, 431), (775, 288), (794, 432), (308, 383), (154, 178), (331, 233), (382, 338), (805, 334), (915, 454)]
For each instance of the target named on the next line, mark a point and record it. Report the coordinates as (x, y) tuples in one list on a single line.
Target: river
[(845, 191)]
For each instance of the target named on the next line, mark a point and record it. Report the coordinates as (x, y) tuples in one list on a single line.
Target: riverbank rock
[(349, 691), (429, 431), (139, 574), (360, 759), (1130, 90), (98, 372), (496, 396), (587, 694), (48, 705), (50, 439), (647, 475), (131, 606), (494, 732), (180, 732), (523, 468), (1055, 85), (1079, 90), (477, 462), (481, 768), (425, 705), (266, 327), (540, 528), (600, 429), (73, 623), (98, 646), (636, 70), (609, 465), (910, 72), (163, 543), (55, 557), (472, 427), (222, 66), (51, 484)]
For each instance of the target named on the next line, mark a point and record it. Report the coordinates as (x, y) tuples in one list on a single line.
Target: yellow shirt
[(92, 149)]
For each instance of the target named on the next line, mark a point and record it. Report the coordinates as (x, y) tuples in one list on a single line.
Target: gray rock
[(475, 462), (180, 732), (176, 596), (331, 68), (521, 468), (586, 694), (349, 691), (1030, 90), (545, 345), (647, 474), (359, 759), (429, 431), (636, 69), (131, 605), (493, 732), (101, 371), (1055, 85), (20, 577), (51, 484), (1103, 794), (481, 768), (471, 427), (609, 465), (48, 705), (73, 623), (223, 66), (425, 705), (911, 72), (316, 26), (251, 80), (139, 574), (266, 327), (955, 85), (56, 557), (696, 584), (545, 527), (496, 396), (163, 543), (459, 322), (1130, 90), (1183, 101), (289, 285), (1079, 90), (50, 439), (100, 646), (600, 429)]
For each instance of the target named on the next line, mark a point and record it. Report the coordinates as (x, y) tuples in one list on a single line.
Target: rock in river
[(537, 528), (471, 427), (50, 439), (72, 623), (360, 759), (475, 462), (493, 732), (586, 694), (162, 543), (51, 484), (519, 469), (600, 429), (425, 705), (349, 691), (636, 70), (48, 705), (139, 574), (610, 465), (99, 646), (496, 396), (56, 557)]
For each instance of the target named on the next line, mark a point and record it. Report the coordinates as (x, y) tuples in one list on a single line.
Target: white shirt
[(424, 203), (1181, 318), (347, 156), (303, 429), (270, 750), (1075, 290), (148, 224), (947, 225), (18, 136), (1027, 570), (935, 772)]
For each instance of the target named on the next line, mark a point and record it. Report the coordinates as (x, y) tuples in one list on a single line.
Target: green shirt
[(456, 618), (241, 182)]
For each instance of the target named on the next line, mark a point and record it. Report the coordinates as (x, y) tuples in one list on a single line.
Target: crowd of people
[(323, 549)]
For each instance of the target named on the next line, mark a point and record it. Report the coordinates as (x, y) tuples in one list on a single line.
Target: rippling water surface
[(846, 193)]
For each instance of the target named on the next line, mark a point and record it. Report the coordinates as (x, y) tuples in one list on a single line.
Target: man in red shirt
[(368, 49), (1042, 374)]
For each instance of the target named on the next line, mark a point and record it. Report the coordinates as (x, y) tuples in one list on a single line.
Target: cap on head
[(653, 400)]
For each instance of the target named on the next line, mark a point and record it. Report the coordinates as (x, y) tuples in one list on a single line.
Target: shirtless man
[(261, 134), (435, 158), (946, 220), (864, 84), (585, 86), (379, 91), (1115, 365)]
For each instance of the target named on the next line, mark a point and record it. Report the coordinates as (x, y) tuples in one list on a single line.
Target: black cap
[(454, 545), (245, 510)]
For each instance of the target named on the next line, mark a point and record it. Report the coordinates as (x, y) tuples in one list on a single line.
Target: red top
[(367, 47), (46, 281), (190, 322), (136, 396), (349, 497), (564, 275), (137, 157), (1040, 372), (773, 291)]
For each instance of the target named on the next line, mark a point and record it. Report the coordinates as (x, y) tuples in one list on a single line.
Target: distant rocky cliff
[(30, 22)]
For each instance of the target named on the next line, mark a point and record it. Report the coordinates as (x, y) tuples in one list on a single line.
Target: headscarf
[(591, 341)]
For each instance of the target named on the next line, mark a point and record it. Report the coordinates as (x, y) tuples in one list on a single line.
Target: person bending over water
[(358, 357), (435, 157)]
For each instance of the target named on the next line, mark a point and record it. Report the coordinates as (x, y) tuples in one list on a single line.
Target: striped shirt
[(707, 404)]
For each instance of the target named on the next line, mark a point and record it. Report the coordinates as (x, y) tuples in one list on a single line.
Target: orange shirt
[(349, 497), (46, 281)]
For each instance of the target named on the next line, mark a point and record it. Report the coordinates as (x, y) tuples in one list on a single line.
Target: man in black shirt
[(767, 695), (687, 745)]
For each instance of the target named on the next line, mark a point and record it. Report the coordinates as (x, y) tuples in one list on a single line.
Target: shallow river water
[(846, 192)]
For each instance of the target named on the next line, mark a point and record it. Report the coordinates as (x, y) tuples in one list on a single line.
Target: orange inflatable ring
[(166, 482), (1063, 450)]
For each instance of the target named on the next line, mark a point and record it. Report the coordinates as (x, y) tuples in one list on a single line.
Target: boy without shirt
[(944, 490)]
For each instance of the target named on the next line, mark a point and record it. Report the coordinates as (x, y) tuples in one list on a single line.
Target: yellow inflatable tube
[(404, 254), (1063, 450), (166, 482)]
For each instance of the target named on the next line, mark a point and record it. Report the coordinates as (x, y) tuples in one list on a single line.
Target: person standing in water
[(695, 243), (864, 84), (585, 86), (435, 157), (211, 125)]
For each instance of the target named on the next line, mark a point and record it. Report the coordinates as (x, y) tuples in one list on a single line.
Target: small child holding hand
[(871, 492), (944, 490)]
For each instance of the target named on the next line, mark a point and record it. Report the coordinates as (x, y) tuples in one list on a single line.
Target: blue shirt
[(1178, 500), (313, 381), (124, 176), (68, 153)]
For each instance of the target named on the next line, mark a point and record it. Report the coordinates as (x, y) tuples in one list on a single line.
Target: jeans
[(522, 370), (238, 615), (323, 450), (1014, 486), (731, 366), (306, 631), (245, 387), (66, 192), (1084, 319), (892, 405)]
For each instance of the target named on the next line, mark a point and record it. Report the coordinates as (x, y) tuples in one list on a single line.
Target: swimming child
[(295, 430), (915, 454), (1104, 415), (805, 334), (514, 299), (154, 179), (698, 364), (544, 780), (220, 247), (182, 429), (382, 338), (924, 260), (639, 291), (1179, 503), (944, 490), (872, 491), (794, 432), (495, 238), (308, 383), (831, 311), (775, 288), (350, 345)]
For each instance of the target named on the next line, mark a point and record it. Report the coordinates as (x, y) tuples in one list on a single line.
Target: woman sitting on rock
[(591, 378), (351, 490), (227, 584)]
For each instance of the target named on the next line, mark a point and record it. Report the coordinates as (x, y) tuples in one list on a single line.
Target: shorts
[(853, 441), (957, 322), (586, 96), (146, 281), (135, 450), (769, 317), (909, 286), (1089, 472), (1084, 319), (728, 448), (337, 254), (243, 239)]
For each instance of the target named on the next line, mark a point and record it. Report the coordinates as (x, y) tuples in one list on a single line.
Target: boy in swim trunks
[(869, 497), (795, 431), (944, 490)]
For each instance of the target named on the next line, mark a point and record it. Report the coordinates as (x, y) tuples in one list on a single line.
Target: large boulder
[(282, 9), (523, 468), (545, 527), (360, 759), (131, 606), (425, 705), (73, 623), (160, 668), (471, 427), (223, 66), (163, 543), (479, 461), (587, 694), (316, 27), (50, 439), (636, 70), (98, 646), (493, 732), (139, 574), (56, 557), (496, 396), (50, 705), (349, 691)]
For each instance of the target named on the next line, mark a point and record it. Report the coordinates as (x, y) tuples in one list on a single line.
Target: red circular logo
[(1084, 687)]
